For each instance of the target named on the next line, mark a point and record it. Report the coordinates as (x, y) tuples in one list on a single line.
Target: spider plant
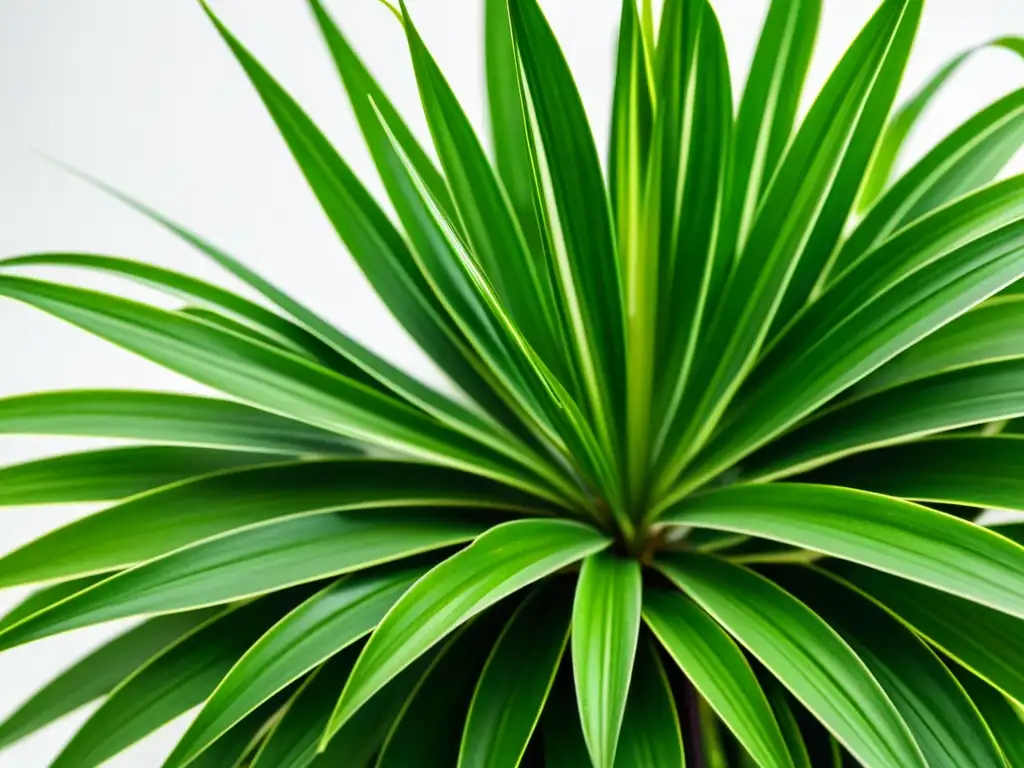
[(726, 411)]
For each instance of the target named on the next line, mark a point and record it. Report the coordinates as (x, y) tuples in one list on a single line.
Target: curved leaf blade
[(719, 671), (499, 563), (804, 653), (249, 563), (898, 537)]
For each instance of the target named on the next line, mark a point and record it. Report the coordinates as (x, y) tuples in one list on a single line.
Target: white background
[(145, 95)]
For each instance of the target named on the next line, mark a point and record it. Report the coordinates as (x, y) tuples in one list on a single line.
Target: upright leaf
[(605, 625)]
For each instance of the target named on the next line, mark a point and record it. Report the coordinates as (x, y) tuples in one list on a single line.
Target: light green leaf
[(249, 563), (164, 418), (941, 717), (948, 401), (97, 674), (988, 642), (895, 536), (907, 117), (309, 635), (605, 626), (168, 518), (275, 380), (114, 473), (172, 682), (804, 653), (987, 334), (428, 728), (650, 735), (970, 157), (516, 680), (719, 671), (499, 563), (47, 596), (954, 469)]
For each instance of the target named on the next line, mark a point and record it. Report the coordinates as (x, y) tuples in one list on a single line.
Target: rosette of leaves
[(725, 411)]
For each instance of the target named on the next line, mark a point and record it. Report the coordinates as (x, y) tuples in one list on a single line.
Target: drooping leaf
[(944, 722), (719, 671), (516, 680), (155, 523), (499, 563), (322, 626), (248, 563), (983, 640), (896, 536), (98, 673), (804, 653), (605, 627), (428, 728), (172, 682)]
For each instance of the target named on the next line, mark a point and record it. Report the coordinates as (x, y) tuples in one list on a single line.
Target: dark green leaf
[(650, 735)]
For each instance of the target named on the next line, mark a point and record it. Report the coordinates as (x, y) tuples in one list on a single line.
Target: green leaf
[(899, 415), (895, 536), (719, 671), (309, 635), (507, 122), (987, 334), (576, 213), (953, 469), (788, 724), (650, 735), (273, 379), (941, 717), (114, 473), (249, 563), (165, 418), (986, 641), (516, 680), (785, 219), (428, 728), (561, 732), (1004, 721), (767, 111), (500, 562), (804, 653), (907, 117), (492, 230), (168, 518), (870, 336), (97, 674), (172, 682), (46, 596), (294, 740), (605, 626), (831, 224), (244, 739), (970, 157), (690, 169)]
